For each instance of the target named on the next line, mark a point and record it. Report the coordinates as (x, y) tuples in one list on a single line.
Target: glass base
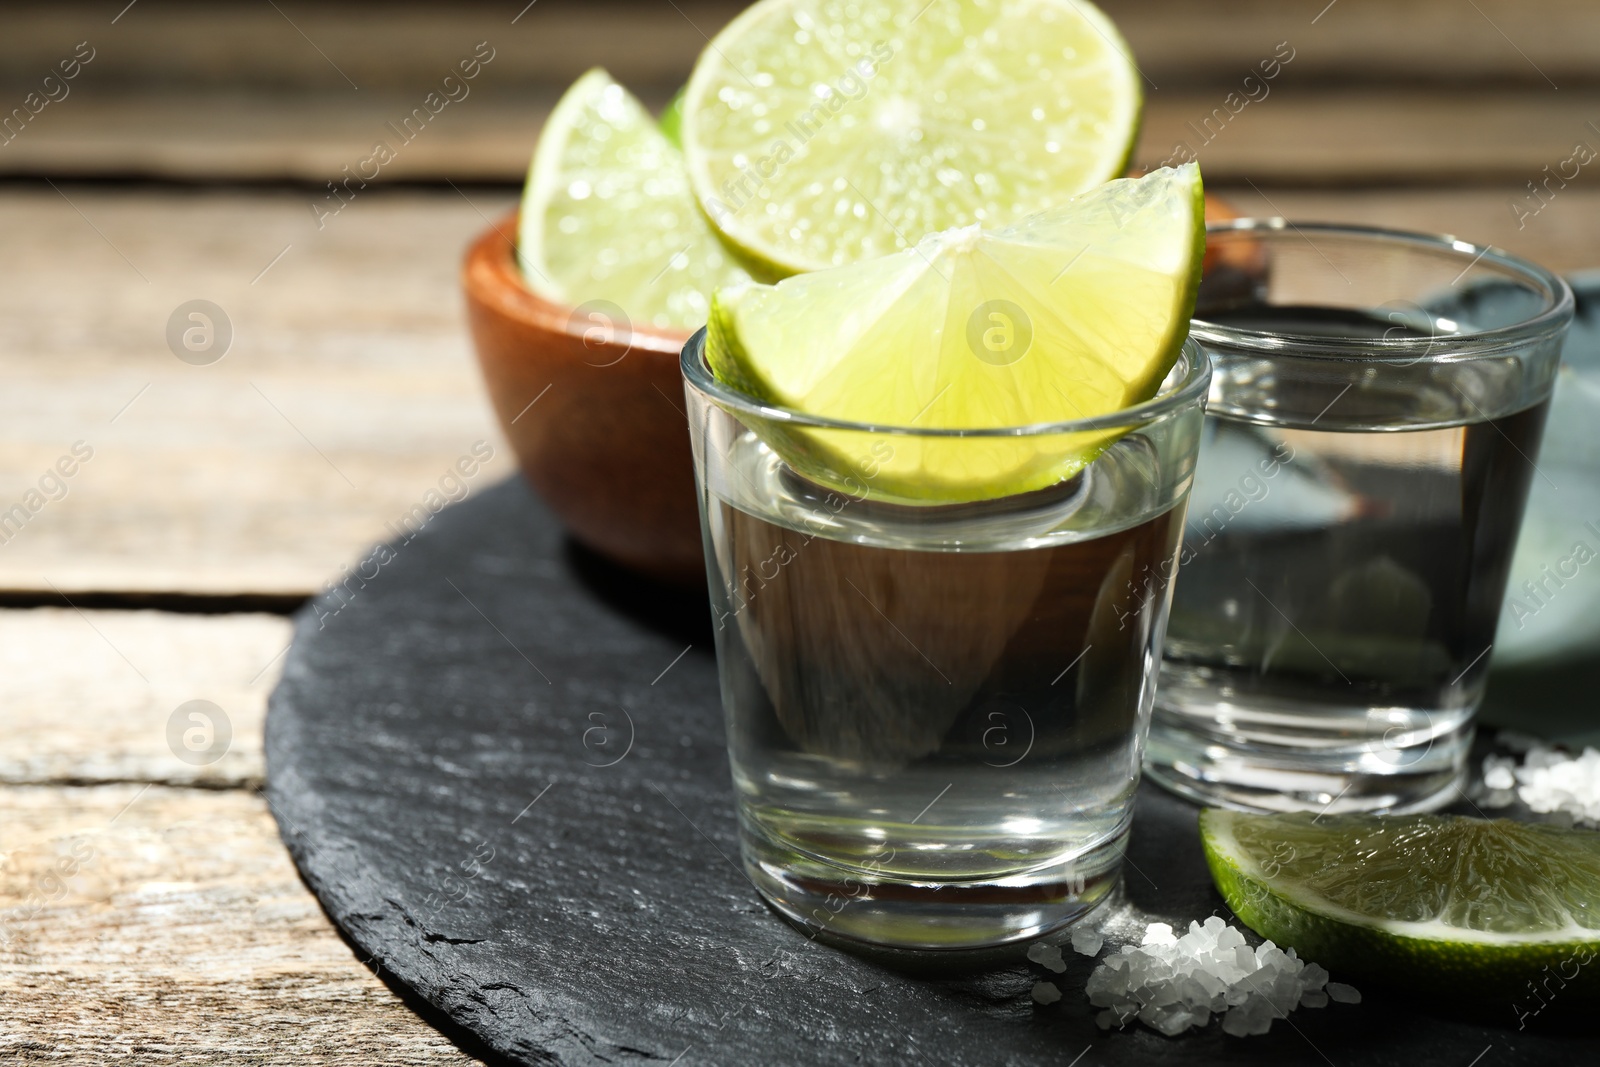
[(1324, 759), (843, 904)]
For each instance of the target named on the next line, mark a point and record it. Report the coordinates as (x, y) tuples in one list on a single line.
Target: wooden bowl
[(593, 408)]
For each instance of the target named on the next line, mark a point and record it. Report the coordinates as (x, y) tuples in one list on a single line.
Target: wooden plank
[(356, 47), (252, 92), (1564, 236), (168, 926), (107, 718), (347, 397), (412, 45), (347, 48), (1288, 135), (1341, 42), (241, 136)]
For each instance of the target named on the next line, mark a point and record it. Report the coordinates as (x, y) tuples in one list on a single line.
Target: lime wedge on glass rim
[(1460, 907), (1076, 312), (821, 132), (607, 214)]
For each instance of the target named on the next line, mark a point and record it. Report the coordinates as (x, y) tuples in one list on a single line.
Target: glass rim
[(1190, 389), (1558, 309)]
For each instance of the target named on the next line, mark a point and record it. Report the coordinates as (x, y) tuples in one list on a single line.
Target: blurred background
[(160, 152)]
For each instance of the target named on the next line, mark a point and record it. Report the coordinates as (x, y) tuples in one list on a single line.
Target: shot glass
[(936, 712), (1372, 430)]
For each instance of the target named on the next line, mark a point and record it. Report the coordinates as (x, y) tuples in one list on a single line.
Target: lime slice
[(671, 121), (607, 215), (1458, 906), (1070, 314), (819, 132)]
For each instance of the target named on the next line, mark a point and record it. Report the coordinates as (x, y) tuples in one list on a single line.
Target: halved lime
[(1460, 907), (822, 132), (607, 214), (1076, 312)]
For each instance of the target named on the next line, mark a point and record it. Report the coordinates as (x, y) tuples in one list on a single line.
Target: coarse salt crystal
[(1087, 942), (1251, 1017), (1499, 772), (1107, 1019), (1343, 994), (1172, 984), (1045, 993), (1549, 782), (1159, 934), (1047, 956)]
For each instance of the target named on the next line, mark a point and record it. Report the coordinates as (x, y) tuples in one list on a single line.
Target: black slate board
[(499, 764)]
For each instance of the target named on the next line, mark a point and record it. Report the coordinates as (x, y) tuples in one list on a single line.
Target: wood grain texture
[(168, 926), (346, 399), (372, 46), (1375, 91), (240, 136), (1374, 42), (1564, 236), (106, 718), (1291, 135), (410, 45)]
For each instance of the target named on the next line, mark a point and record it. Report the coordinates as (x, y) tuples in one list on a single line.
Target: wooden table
[(148, 912)]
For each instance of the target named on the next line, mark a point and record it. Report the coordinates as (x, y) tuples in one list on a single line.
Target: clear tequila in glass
[(1362, 479), (936, 714)]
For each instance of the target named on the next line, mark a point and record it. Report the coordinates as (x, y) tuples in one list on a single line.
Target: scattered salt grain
[(1172, 983), (1087, 941), (1045, 993), (1340, 993), (1548, 781), (1499, 773), (1047, 956)]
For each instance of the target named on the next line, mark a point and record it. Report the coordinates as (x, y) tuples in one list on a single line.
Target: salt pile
[(1548, 781), (1172, 983)]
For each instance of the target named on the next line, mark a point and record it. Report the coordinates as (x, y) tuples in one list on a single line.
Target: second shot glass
[(1374, 424)]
